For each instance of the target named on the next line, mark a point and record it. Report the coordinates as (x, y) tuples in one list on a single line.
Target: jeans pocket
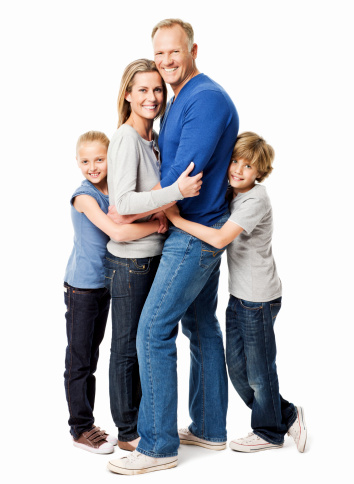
[(252, 306), (140, 266), (209, 254), (274, 309)]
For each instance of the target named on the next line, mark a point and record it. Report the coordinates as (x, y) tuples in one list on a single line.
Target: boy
[(255, 300)]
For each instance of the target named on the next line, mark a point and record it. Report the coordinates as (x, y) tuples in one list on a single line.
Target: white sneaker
[(252, 443), (187, 438), (137, 463), (298, 430)]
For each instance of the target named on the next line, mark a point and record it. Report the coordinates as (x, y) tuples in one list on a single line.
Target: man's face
[(172, 57)]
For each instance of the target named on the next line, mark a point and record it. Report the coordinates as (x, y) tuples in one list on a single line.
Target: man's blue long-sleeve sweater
[(201, 125)]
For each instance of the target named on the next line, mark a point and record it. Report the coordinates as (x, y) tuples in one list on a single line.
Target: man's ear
[(194, 51)]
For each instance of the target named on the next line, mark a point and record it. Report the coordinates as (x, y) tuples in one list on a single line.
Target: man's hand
[(189, 186), (119, 219), (161, 217), (172, 212)]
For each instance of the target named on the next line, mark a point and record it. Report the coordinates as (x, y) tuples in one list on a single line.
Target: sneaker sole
[(92, 449), (251, 448), (134, 472), (211, 446), (303, 437)]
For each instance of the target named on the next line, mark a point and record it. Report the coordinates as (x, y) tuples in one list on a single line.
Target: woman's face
[(146, 96)]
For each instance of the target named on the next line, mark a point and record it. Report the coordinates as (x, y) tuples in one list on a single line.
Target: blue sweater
[(200, 126)]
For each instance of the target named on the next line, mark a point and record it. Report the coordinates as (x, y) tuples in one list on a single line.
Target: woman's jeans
[(185, 288), (86, 317), (250, 356), (129, 282)]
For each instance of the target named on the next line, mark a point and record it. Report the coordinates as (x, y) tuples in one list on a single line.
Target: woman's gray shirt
[(133, 170)]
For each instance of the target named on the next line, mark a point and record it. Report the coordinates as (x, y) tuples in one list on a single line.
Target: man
[(200, 125)]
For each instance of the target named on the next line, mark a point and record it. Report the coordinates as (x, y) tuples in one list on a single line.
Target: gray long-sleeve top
[(133, 170)]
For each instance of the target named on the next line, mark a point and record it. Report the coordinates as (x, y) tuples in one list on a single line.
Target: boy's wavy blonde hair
[(92, 136), (254, 149)]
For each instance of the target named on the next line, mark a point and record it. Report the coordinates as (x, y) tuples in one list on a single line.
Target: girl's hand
[(172, 212), (161, 217), (189, 186)]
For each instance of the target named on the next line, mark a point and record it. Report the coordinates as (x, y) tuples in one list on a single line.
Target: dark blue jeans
[(86, 318), (129, 282), (250, 356)]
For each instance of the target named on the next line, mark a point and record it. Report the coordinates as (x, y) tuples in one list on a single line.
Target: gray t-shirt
[(133, 170), (252, 270)]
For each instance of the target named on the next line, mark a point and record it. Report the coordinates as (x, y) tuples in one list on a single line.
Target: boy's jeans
[(86, 317), (250, 356), (129, 282), (185, 287)]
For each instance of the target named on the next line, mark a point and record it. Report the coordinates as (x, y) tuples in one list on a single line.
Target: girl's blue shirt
[(85, 267)]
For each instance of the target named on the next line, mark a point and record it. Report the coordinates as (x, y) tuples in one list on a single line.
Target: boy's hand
[(161, 217), (189, 186), (117, 218), (172, 212)]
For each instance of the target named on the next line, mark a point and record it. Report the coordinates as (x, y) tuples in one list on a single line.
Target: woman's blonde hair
[(254, 149), (92, 136), (126, 84)]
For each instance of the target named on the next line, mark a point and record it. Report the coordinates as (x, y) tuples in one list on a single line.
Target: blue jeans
[(250, 355), (185, 288), (129, 282), (86, 318)]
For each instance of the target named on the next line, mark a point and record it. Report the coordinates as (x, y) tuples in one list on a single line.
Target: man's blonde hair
[(254, 149), (126, 84), (170, 22), (92, 136)]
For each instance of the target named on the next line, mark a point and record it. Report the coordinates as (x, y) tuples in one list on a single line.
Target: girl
[(133, 173), (86, 297)]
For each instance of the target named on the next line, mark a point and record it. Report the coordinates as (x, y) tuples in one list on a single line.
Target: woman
[(133, 172)]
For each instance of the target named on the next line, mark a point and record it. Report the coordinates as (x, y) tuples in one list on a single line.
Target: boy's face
[(242, 175), (92, 161)]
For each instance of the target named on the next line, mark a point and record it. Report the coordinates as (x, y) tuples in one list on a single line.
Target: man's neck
[(177, 89)]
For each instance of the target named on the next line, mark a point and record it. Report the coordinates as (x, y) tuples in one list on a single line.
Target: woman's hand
[(119, 219), (161, 217), (189, 186), (172, 212)]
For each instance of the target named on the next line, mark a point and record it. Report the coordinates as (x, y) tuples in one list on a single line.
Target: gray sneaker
[(252, 443), (137, 463), (187, 438), (298, 430)]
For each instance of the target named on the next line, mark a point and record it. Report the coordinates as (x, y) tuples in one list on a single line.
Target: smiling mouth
[(236, 178), (170, 70), (150, 108), (95, 175)]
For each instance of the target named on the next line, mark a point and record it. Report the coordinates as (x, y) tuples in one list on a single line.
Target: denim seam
[(148, 346), (71, 306), (116, 262), (266, 438), (152, 454), (202, 364), (267, 358)]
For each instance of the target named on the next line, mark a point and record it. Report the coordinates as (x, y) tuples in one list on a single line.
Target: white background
[(286, 65)]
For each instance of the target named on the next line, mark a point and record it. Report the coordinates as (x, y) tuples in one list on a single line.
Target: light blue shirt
[(85, 268)]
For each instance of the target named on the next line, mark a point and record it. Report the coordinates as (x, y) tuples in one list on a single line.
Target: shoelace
[(133, 456)]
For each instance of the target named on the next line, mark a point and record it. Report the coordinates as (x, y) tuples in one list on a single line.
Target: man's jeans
[(250, 356), (185, 288), (86, 317), (129, 282)]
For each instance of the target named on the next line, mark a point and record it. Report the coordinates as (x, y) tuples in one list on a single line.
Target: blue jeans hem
[(157, 456), (128, 439), (293, 419), (206, 438)]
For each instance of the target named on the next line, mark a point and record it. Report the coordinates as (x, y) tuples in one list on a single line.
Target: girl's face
[(92, 160), (242, 175), (146, 96)]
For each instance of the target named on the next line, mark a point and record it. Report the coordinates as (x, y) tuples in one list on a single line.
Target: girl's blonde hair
[(92, 136), (253, 148), (126, 84)]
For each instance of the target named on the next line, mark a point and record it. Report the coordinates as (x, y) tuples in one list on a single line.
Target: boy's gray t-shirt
[(252, 270)]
